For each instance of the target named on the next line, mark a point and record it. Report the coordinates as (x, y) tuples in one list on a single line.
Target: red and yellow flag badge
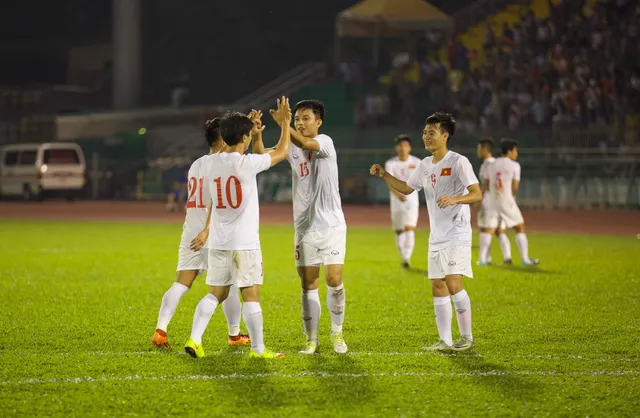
[(412, 166), (445, 172)]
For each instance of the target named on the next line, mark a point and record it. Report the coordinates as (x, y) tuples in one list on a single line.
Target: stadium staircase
[(287, 84)]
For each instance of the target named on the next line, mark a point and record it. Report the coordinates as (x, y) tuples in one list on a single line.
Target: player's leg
[(248, 276), (513, 219), (484, 256), (441, 302), (397, 223), (202, 316), (311, 307), (488, 221), (308, 262), (505, 244), (459, 265), (333, 244), (170, 300), (410, 222), (232, 308), (219, 280), (336, 303)]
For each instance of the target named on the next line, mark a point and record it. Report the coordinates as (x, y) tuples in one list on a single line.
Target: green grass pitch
[(79, 305)]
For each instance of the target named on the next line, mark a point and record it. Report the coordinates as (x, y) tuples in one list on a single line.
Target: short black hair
[(487, 143), (402, 138), (234, 126), (316, 106), (212, 131), (507, 145), (446, 121)]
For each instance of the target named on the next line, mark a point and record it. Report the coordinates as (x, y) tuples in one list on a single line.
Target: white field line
[(301, 375), (353, 353)]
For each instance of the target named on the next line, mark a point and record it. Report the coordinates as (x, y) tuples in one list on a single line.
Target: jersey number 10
[(238, 193)]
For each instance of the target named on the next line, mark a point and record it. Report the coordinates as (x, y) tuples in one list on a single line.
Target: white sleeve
[(259, 162), (516, 171), (416, 180), (465, 172), (326, 146)]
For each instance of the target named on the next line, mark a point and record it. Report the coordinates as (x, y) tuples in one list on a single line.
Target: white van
[(35, 171)]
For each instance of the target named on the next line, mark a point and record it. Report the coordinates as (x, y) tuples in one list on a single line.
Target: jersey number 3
[(195, 186), (228, 191)]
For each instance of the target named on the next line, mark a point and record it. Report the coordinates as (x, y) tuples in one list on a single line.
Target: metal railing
[(551, 178), (285, 84)]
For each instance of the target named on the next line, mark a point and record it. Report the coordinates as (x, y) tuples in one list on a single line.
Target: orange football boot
[(240, 339), (160, 339)]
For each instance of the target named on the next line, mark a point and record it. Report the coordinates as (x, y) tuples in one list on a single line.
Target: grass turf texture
[(80, 300)]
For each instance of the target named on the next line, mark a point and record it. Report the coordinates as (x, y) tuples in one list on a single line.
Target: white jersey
[(483, 175), (402, 170), (235, 220), (316, 191), (502, 173), (451, 226), (198, 198)]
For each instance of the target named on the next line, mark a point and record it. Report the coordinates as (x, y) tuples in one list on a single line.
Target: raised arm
[(257, 146), (303, 142), (283, 117), (393, 183)]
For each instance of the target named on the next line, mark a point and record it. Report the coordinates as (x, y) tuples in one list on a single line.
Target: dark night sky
[(35, 35)]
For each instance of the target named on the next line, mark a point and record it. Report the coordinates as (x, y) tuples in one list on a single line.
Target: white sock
[(444, 314), (336, 301), (523, 245), (400, 244), (463, 312), (409, 243), (485, 246), (505, 246), (252, 313), (233, 311), (205, 309), (311, 310), (170, 302)]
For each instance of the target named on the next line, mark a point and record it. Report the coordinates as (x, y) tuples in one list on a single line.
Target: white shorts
[(508, 213), (483, 220), (323, 247), (402, 218), (192, 260), (453, 260), (242, 268)]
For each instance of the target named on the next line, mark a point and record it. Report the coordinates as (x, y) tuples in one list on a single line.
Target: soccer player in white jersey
[(450, 186), (485, 153), (234, 241), (191, 263), (320, 227), (404, 209), (503, 182)]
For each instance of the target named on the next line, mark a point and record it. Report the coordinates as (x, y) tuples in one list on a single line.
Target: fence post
[(95, 175)]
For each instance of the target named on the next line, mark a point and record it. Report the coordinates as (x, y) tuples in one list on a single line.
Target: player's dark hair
[(402, 138), (446, 121), (507, 145), (212, 131), (486, 143), (234, 126), (316, 106)]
